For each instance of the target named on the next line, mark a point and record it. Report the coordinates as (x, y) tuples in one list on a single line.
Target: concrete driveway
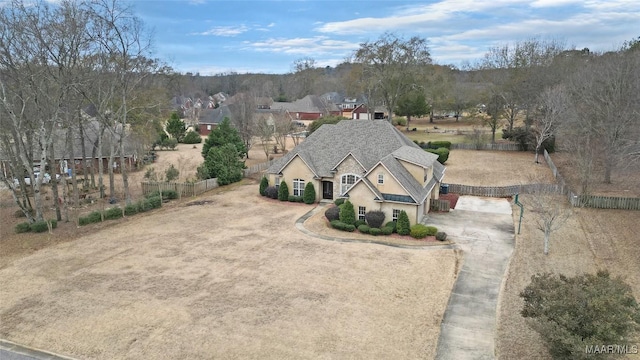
[(483, 229)]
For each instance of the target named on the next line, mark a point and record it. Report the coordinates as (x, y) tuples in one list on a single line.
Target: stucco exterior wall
[(418, 172), (390, 186), (411, 210), (297, 169), (360, 195)]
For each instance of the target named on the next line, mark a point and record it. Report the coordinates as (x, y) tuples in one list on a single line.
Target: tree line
[(70, 73)]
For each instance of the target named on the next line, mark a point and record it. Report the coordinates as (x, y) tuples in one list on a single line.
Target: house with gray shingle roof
[(369, 162)]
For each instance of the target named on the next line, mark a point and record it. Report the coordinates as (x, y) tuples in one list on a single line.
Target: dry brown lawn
[(494, 168), (228, 278), (592, 239)]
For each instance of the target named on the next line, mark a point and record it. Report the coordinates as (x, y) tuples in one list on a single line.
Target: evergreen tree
[(222, 162), (283, 192), (223, 134), (176, 127), (309, 193), (404, 226), (264, 184), (347, 213)]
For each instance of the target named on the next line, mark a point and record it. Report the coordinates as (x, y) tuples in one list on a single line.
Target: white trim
[(355, 181)]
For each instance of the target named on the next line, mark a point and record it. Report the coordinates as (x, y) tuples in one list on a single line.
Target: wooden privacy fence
[(502, 147), (440, 205), (505, 191), (592, 201), (183, 189), (253, 169)]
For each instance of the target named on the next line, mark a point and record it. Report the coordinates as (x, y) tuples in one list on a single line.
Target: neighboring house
[(307, 109), (210, 118), (361, 112), (64, 160), (369, 162)]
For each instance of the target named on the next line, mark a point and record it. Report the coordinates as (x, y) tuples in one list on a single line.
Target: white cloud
[(224, 31), (311, 45)]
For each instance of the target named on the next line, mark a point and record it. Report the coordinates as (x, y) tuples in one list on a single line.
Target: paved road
[(12, 351), (483, 229)]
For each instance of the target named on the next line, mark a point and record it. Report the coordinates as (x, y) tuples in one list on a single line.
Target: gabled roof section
[(415, 156), (344, 158), (374, 190), (367, 140)]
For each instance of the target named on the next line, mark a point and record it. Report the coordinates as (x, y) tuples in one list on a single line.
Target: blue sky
[(214, 36)]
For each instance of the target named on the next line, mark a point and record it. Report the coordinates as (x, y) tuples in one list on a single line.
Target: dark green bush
[(404, 226), (418, 231), (332, 213), (131, 209), (440, 144), (359, 222), (375, 231), (347, 213), (443, 154), (309, 193), (292, 198), (364, 229), (22, 227), (113, 213), (441, 236), (155, 202), (264, 184), (143, 205), (387, 230), (54, 223), (392, 225), (192, 137), (271, 192), (93, 217), (432, 230), (166, 194), (283, 192), (39, 226), (339, 225), (374, 218), (339, 201)]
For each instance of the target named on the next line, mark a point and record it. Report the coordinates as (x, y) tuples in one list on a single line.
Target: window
[(277, 182), (395, 215), (346, 182), (361, 211), (380, 178), (208, 127), (298, 187)]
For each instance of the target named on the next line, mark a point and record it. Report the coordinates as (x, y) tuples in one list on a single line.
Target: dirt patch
[(453, 199), (494, 168), (226, 280), (570, 254)]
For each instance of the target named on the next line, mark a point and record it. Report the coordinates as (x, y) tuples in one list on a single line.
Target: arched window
[(347, 181)]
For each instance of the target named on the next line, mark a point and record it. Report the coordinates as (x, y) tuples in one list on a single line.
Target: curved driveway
[(483, 229)]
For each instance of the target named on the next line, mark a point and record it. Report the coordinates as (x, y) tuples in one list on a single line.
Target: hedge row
[(153, 201), (37, 227)]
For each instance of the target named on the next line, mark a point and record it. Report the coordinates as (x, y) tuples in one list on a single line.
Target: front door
[(327, 190)]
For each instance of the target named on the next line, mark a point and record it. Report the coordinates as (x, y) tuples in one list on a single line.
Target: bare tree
[(555, 106), (283, 126), (41, 48), (394, 64), (265, 131), (606, 93), (305, 74), (551, 212), (495, 110), (243, 110)]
